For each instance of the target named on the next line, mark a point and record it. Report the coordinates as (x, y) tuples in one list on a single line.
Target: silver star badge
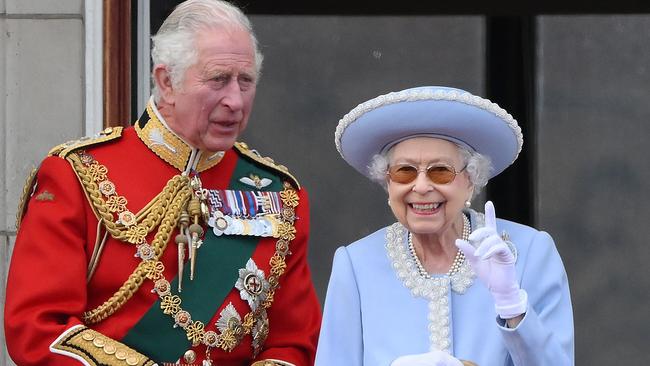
[(252, 285), (228, 318)]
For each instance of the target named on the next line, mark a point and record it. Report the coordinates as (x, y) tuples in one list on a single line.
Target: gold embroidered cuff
[(272, 363), (94, 349)]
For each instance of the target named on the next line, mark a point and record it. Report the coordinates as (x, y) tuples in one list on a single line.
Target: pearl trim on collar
[(436, 289)]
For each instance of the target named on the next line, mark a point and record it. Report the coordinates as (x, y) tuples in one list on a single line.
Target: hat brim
[(459, 117)]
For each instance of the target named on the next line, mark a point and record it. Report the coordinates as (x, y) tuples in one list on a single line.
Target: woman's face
[(422, 206)]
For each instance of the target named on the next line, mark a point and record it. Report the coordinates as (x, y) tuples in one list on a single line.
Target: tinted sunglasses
[(438, 173)]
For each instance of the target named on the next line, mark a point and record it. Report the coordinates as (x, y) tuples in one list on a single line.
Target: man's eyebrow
[(207, 75), (211, 72), (248, 74)]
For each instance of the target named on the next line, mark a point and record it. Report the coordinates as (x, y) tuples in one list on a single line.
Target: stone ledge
[(43, 7)]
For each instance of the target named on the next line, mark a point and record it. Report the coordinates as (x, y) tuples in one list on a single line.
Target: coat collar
[(152, 129)]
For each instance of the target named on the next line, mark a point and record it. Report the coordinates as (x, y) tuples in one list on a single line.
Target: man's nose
[(233, 98)]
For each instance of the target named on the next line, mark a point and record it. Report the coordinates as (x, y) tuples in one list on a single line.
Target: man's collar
[(159, 138)]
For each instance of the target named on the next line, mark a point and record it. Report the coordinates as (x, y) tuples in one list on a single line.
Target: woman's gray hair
[(478, 168), (174, 46)]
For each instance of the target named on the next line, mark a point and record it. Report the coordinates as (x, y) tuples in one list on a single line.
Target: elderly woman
[(424, 290)]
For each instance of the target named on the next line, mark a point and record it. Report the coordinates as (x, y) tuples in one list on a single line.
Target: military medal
[(252, 284), (253, 213)]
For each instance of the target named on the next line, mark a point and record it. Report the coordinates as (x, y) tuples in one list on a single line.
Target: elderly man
[(168, 242)]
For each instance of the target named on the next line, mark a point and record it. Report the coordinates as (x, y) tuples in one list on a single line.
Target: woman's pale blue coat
[(371, 318)]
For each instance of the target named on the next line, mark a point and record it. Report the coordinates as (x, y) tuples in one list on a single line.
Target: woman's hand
[(494, 263), (433, 358)]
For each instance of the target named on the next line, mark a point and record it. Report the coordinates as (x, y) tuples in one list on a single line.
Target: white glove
[(494, 263), (433, 358)]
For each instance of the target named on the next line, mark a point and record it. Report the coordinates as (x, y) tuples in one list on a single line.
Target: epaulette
[(266, 161), (62, 151), (110, 133)]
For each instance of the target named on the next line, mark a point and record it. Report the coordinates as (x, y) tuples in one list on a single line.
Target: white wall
[(42, 78)]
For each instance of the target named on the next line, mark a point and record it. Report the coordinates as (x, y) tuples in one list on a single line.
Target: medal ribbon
[(244, 204)]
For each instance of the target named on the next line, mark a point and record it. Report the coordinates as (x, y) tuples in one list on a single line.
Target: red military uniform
[(96, 267)]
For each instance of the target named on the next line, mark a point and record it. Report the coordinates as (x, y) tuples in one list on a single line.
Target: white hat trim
[(427, 94)]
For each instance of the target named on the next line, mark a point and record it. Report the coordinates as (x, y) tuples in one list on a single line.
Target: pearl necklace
[(458, 260)]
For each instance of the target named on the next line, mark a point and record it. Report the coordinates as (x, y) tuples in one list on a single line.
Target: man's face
[(212, 105)]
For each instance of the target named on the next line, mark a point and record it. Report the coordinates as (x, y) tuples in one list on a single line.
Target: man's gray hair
[(174, 43), (478, 168)]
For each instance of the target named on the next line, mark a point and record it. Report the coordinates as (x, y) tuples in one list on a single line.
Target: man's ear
[(163, 80)]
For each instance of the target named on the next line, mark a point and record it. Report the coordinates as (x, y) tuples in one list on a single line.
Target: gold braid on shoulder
[(62, 150), (147, 219)]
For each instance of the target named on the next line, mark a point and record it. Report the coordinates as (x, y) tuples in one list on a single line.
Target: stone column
[(41, 79)]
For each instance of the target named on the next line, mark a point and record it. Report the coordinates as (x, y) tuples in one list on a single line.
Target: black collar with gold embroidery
[(169, 146)]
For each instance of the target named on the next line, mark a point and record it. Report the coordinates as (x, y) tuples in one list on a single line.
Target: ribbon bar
[(253, 213)]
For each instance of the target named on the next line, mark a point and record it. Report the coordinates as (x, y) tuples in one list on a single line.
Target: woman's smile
[(425, 208)]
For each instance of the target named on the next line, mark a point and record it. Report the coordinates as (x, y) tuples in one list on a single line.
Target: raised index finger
[(490, 216)]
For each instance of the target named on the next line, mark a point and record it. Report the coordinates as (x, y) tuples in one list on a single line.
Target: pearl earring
[(468, 203)]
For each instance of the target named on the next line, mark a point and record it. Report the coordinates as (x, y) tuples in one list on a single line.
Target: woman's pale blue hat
[(448, 113)]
